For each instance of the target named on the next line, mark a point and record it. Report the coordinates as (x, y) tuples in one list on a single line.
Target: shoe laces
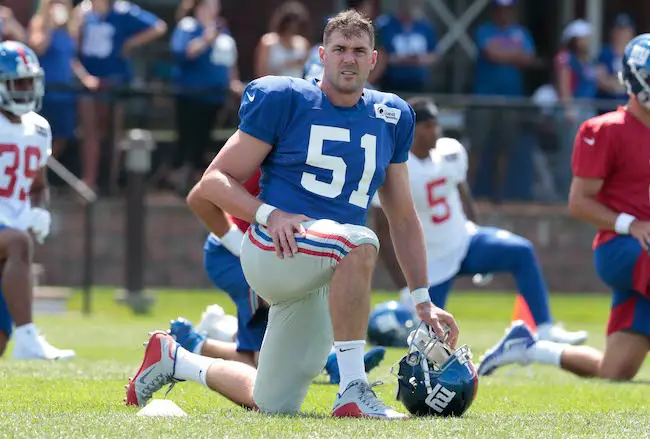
[(157, 383), (369, 397)]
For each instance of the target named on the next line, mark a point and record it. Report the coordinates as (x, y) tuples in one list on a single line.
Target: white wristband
[(263, 212), (623, 223), (232, 240), (420, 295)]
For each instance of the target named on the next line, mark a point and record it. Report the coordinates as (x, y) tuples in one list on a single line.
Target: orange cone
[(522, 312)]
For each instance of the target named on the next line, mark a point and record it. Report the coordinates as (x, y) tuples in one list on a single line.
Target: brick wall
[(175, 240)]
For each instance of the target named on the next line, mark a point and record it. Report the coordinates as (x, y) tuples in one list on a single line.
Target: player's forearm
[(387, 251), (228, 194), (408, 241), (593, 212), (212, 216)]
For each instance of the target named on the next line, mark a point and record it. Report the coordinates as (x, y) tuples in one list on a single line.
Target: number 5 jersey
[(434, 186)]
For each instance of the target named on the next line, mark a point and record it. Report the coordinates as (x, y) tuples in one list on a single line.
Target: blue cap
[(504, 2)]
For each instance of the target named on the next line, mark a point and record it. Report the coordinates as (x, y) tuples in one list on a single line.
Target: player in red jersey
[(610, 190)]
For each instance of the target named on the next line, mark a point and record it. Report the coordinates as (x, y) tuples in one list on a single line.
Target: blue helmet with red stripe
[(635, 74), (21, 79), (433, 379)]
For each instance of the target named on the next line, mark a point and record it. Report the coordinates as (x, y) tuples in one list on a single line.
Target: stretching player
[(24, 150), (324, 148), (222, 264), (611, 158), (456, 246)]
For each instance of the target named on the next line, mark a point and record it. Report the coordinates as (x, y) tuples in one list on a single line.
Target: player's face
[(24, 85), (426, 133), (347, 61)]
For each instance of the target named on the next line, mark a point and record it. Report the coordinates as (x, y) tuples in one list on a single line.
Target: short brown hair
[(349, 23)]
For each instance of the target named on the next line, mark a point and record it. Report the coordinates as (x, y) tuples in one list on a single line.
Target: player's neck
[(337, 98), (641, 114), (11, 117), (421, 153)]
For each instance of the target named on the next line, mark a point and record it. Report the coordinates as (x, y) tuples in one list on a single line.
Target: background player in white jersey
[(456, 246), (324, 149), (25, 145)]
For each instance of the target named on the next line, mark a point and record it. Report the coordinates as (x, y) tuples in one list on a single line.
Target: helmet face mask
[(21, 79), (433, 379)]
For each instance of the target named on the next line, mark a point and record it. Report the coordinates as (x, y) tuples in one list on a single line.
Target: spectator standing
[(205, 74), (506, 48), (409, 40), (110, 31), (284, 50)]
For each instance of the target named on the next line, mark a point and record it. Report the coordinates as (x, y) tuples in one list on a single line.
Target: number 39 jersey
[(24, 150), (327, 161)]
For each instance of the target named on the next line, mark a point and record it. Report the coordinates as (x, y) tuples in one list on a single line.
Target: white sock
[(544, 328), (349, 355), (192, 367), (27, 331), (547, 352), (198, 348), (405, 294)]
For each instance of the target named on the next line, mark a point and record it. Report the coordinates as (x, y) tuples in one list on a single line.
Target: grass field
[(83, 398)]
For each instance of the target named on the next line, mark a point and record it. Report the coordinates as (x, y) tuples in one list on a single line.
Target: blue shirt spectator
[(505, 47), (107, 37), (207, 69), (410, 45)]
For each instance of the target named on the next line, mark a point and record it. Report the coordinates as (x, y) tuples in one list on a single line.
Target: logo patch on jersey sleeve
[(388, 114), (41, 131)]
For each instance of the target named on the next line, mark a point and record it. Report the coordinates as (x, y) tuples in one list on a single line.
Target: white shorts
[(299, 334)]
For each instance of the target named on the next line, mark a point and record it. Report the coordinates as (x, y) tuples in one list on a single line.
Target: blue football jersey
[(327, 161)]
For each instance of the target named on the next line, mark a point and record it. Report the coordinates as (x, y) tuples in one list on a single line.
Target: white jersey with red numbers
[(434, 187), (24, 150)]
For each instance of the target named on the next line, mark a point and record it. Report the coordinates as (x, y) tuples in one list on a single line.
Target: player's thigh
[(15, 243), (628, 335), (620, 262), (298, 340), (325, 245), (493, 250)]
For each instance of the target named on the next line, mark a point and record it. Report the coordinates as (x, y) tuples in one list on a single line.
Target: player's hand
[(641, 231), (436, 318), (39, 223), (282, 226)]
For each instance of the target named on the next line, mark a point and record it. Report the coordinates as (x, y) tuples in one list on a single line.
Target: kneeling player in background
[(609, 190), (456, 245)]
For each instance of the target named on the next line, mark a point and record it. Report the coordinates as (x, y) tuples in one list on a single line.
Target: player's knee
[(620, 372), (363, 256), (523, 248)]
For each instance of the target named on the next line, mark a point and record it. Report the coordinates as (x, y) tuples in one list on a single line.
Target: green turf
[(83, 398)]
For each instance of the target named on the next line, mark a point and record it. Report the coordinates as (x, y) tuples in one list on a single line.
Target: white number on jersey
[(315, 157), (17, 170), (98, 40), (440, 204), (439, 398)]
